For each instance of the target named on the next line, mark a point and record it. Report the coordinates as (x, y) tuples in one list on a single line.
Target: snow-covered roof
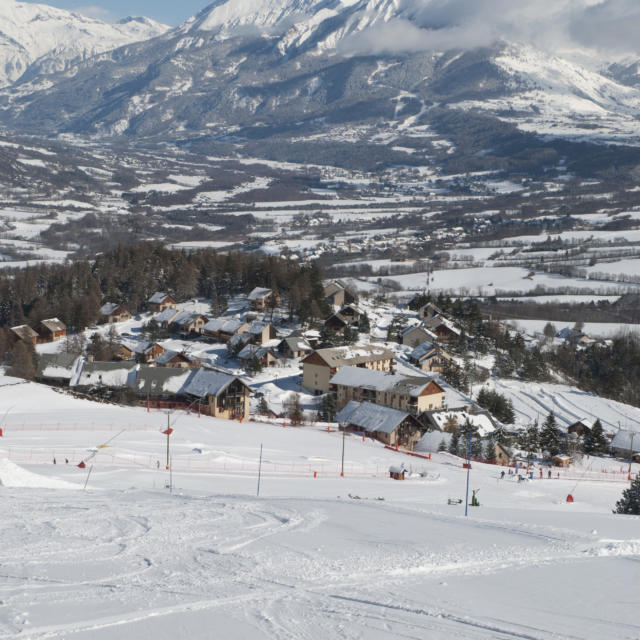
[(108, 308), (252, 351), (422, 350), (444, 322), (258, 293), (159, 297), (296, 343), (53, 324), (106, 374), (480, 421), (343, 356), (24, 331), (626, 439), (381, 381), (205, 382), (257, 327), (56, 365), (168, 355), (371, 417), (185, 318), (431, 440), (226, 325), (167, 315)]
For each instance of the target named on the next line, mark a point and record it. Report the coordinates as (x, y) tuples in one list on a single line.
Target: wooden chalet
[(261, 299), (175, 360), (160, 301), (50, 330), (445, 330), (337, 294), (416, 335), (428, 311), (581, 427), (222, 329), (429, 357), (263, 355), (23, 332), (226, 396), (501, 455), (390, 426), (188, 324), (111, 312), (261, 332), (294, 347)]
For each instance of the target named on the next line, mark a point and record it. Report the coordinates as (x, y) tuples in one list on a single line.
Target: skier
[(502, 475), (549, 474)]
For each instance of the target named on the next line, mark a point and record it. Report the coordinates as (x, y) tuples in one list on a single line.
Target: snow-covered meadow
[(360, 556)]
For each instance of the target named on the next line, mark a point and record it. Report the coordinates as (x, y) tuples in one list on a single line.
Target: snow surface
[(362, 556)]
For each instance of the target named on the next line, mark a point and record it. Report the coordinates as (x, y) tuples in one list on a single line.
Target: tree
[(550, 436), (595, 441), (443, 445), (328, 407), (364, 326), (454, 443), (293, 409), (263, 406), (532, 438), (254, 366), (497, 404), (549, 331), (629, 503), (22, 361)]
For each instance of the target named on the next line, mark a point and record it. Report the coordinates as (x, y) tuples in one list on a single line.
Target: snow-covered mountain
[(315, 72), (37, 38)]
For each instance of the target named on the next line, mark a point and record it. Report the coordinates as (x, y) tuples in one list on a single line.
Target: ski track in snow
[(151, 566)]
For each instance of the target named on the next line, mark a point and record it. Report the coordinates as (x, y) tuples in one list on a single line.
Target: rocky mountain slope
[(37, 39), (323, 74)]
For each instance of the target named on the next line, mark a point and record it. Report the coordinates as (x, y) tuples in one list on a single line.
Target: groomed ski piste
[(359, 556)]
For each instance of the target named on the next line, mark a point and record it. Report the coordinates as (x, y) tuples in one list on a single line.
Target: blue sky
[(167, 11)]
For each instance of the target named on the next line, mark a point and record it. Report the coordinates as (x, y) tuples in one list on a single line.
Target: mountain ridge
[(37, 39)]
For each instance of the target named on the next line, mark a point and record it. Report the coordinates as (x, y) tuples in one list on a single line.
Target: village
[(391, 373)]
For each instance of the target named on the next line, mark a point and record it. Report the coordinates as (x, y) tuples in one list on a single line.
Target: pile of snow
[(11, 475)]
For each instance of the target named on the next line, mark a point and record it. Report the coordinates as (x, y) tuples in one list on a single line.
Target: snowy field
[(362, 556)]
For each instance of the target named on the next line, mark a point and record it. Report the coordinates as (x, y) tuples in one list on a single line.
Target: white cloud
[(606, 25)]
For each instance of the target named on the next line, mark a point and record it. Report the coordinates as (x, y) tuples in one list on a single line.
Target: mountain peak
[(37, 38)]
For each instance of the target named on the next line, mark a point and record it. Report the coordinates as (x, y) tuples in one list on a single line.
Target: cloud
[(610, 26), (94, 11)]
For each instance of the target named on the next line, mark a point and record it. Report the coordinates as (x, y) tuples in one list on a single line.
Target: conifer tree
[(442, 446), (550, 436), (629, 503), (595, 441)]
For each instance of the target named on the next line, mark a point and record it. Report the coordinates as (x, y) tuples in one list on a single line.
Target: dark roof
[(56, 365), (160, 380), (24, 332), (371, 417)]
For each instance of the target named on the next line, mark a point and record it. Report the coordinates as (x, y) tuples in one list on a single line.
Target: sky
[(165, 11)]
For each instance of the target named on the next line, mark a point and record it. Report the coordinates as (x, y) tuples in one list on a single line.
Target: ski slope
[(360, 556)]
